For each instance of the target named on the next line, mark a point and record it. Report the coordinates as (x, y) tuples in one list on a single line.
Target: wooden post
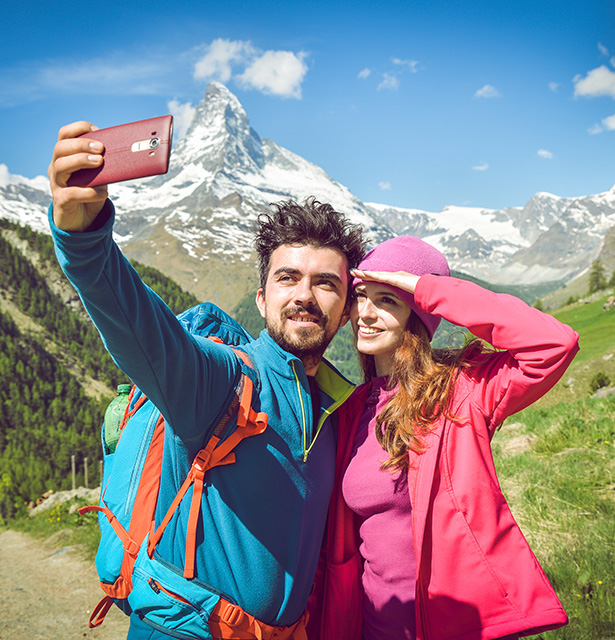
[(85, 472), (72, 466)]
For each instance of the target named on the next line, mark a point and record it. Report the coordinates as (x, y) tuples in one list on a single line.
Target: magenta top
[(382, 502)]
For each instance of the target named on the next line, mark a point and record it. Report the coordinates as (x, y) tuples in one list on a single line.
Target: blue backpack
[(129, 575)]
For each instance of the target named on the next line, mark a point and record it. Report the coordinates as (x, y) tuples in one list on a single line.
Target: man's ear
[(260, 302), (346, 314)]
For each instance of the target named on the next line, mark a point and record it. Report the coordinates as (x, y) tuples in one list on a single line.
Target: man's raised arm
[(180, 373)]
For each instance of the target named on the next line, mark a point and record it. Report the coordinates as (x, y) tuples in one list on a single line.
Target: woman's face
[(379, 318)]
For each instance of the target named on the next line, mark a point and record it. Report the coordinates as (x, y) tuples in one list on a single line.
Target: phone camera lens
[(154, 143)]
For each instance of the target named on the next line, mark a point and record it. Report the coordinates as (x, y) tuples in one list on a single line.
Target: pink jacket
[(477, 577)]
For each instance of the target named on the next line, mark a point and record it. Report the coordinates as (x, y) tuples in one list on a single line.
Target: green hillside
[(55, 376), (596, 329)]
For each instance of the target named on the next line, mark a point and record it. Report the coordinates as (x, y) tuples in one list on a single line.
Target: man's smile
[(303, 317)]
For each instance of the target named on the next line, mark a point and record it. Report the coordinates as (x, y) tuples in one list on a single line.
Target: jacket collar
[(328, 378)]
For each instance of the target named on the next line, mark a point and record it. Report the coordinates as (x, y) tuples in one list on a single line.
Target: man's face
[(304, 301)]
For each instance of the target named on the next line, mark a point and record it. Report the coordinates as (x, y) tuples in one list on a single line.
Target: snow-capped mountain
[(23, 200), (222, 175), (194, 223), (549, 239)]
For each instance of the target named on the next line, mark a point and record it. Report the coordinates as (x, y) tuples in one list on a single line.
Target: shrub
[(598, 381)]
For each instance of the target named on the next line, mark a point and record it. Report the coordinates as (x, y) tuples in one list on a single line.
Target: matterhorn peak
[(216, 91), (220, 134), (220, 107)]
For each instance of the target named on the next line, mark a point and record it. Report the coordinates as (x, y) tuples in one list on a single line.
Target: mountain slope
[(222, 175), (195, 223), (55, 376)]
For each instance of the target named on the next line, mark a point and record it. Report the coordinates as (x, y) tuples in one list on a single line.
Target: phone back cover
[(120, 161)]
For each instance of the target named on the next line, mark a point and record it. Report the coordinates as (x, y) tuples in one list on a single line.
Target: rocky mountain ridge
[(195, 222)]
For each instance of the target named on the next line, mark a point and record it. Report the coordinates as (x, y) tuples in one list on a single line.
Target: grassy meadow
[(556, 468), (556, 463)]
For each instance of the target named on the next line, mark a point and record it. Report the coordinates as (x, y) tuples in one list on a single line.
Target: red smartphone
[(133, 150)]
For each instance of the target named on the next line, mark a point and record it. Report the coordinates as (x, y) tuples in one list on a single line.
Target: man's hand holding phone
[(75, 208), (86, 159)]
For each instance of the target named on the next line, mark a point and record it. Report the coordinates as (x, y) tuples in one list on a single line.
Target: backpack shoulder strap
[(215, 453)]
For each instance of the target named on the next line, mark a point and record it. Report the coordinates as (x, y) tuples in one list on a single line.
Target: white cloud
[(481, 167), (384, 186), (597, 82), (609, 123), (488, 91), (127, 72), (554, 86), (389, 81), (113, 75), (543, 153), (279, 73), (411, 64), (603, 50), (220, 58), (138, 77), (595, 129), (182, 117), (7, 178)]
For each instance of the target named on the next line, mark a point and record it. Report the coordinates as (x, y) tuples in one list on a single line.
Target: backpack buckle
[(232, 614), (201, 463)]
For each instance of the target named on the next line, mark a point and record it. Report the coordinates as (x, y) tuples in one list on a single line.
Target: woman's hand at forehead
[(401, 279)]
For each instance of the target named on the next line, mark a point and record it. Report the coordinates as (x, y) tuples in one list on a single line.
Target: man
[(263, 517)]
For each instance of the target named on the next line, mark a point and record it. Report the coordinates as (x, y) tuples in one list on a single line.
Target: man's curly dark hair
[(312, 223)]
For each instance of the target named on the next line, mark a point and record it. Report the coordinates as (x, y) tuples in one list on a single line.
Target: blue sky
[(417, 104)]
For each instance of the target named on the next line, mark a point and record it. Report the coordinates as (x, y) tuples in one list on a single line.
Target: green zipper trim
[(342, 396), (305, 449)]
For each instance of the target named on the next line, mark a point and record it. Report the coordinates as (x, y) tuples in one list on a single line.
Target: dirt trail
[(48, 594)]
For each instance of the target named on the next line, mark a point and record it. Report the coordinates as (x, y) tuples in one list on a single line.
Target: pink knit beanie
[(410, 254)]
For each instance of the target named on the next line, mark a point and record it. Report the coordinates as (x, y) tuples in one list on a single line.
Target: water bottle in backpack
[(114, 414)]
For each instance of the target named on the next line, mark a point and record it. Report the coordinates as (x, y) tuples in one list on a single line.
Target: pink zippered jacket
[(477, 577)]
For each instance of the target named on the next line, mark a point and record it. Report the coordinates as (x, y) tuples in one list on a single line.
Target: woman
[(441, 556)]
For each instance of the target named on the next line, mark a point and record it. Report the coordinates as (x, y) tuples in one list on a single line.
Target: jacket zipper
[(326, 413), (305, 448)]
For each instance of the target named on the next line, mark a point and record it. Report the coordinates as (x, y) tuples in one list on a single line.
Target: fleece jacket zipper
[(343, 395)]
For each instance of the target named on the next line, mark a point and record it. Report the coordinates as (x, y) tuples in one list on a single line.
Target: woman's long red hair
[(424, 378)]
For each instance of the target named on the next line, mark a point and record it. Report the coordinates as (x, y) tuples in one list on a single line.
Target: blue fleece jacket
[(263, 517)]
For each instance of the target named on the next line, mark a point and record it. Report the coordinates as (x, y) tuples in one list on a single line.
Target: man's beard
[(307, 344)]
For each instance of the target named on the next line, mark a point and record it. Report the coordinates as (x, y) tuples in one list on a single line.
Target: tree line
[(45, 416)]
